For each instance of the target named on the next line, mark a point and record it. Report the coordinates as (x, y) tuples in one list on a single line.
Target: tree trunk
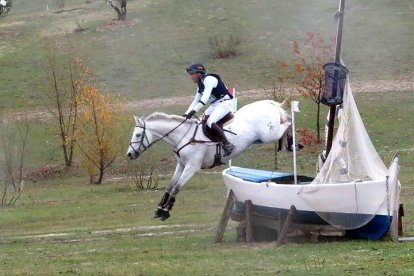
[(61, 4), (100, 176), (120, 12), (123, 14)]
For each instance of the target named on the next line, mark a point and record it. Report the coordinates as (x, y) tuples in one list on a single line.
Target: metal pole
[(294, 145), (332, 111)]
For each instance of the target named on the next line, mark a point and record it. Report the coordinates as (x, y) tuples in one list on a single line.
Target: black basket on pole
[(335, 79)]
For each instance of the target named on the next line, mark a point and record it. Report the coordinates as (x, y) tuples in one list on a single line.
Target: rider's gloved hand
[(189, 115)]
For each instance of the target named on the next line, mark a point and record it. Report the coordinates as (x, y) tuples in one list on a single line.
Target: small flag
[(295, 106)]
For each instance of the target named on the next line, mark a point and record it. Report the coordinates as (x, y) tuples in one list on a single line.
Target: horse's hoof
[(158, 213), (164, 215), (228, 148)]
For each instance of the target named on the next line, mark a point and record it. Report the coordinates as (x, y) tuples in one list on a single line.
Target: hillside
[(145, 57)]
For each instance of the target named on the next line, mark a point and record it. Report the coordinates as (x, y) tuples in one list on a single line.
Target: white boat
[(353, 191)]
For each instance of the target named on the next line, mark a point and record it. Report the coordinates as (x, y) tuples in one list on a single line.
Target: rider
[(211, 89)]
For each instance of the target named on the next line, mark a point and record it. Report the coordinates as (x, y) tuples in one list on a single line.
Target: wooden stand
[(224, 218), (400, 223), (278, 228)]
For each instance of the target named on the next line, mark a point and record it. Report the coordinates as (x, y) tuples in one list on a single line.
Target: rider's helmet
[(196, 68)]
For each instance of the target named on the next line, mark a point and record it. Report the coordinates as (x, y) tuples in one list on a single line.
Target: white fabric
[(353, 160), (352, 149), (295, 106)]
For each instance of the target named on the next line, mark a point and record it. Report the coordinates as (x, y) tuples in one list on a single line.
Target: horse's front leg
[(177, 173), (175, 187)]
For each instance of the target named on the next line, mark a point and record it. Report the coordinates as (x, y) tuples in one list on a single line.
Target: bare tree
[(120, 6), (60, 4), (59, 97), (13, 153)]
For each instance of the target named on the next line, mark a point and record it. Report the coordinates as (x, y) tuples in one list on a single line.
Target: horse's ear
[(136, 120)]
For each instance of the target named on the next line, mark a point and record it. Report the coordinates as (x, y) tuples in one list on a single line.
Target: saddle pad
[(257, 176)]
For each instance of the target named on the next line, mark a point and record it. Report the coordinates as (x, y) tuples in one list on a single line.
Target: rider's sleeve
[(194, 103), (210, 82)]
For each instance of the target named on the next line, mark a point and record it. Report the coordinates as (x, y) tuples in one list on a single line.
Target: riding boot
[(164, 199), (227, 146)]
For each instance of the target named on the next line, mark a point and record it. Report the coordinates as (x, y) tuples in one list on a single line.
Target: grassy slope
[(147, 59)]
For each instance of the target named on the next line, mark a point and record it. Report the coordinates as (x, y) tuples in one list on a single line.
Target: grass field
[(63, 225)]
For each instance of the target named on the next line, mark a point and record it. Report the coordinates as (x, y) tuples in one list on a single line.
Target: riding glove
[(189, 115)]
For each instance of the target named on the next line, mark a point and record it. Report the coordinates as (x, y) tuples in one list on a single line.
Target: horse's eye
[(137, 135)]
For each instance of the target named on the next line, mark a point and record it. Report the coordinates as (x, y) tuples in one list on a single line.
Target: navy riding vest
[(218, 92)]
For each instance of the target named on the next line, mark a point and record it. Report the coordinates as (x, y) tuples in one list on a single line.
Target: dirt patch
[(66, 10), (7, 34), (357, 87), (136, 231), (47, 172), (115, 25), (405, 84)]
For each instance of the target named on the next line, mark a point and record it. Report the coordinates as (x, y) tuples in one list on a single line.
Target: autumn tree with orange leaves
[(98, 132), (305, 69)]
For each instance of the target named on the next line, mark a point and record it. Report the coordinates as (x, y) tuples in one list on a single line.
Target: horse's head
[(140, 140)]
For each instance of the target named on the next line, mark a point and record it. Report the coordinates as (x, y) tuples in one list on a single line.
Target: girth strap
[(192, 141)]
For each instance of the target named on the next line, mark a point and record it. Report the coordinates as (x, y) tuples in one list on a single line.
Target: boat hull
[(368, 204)]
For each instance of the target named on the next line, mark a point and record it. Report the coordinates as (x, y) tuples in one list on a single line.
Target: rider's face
[(195, 77)]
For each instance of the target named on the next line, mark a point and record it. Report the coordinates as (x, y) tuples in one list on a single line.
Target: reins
[(141, 144)]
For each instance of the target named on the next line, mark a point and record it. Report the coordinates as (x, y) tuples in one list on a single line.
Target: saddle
[(210, 134)]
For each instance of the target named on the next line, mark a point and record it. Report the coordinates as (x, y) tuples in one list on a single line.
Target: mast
[(332, 111)]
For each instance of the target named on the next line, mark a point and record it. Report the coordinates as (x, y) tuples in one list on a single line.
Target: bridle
[(144, 136)]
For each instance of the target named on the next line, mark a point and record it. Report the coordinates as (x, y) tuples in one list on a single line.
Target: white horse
[(259, 122)]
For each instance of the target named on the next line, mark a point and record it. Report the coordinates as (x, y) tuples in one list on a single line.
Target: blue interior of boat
[(257, 176)]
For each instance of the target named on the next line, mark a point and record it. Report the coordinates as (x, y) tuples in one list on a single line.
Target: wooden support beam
[(400, 224), (248, 206), (286, 225), (224, 218)]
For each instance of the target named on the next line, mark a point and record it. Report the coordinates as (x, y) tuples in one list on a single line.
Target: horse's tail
[(286, 127), (285, 118)]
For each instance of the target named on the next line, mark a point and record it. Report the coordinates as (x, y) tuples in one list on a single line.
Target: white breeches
[(218, 110)]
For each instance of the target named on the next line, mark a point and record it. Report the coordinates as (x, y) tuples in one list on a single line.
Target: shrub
[(146, 174), (225, 45), (13, 152)]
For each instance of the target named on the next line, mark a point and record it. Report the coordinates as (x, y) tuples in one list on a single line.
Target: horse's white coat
[(263, 121)]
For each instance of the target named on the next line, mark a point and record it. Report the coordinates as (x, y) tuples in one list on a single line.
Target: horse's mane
[(164, 116)]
